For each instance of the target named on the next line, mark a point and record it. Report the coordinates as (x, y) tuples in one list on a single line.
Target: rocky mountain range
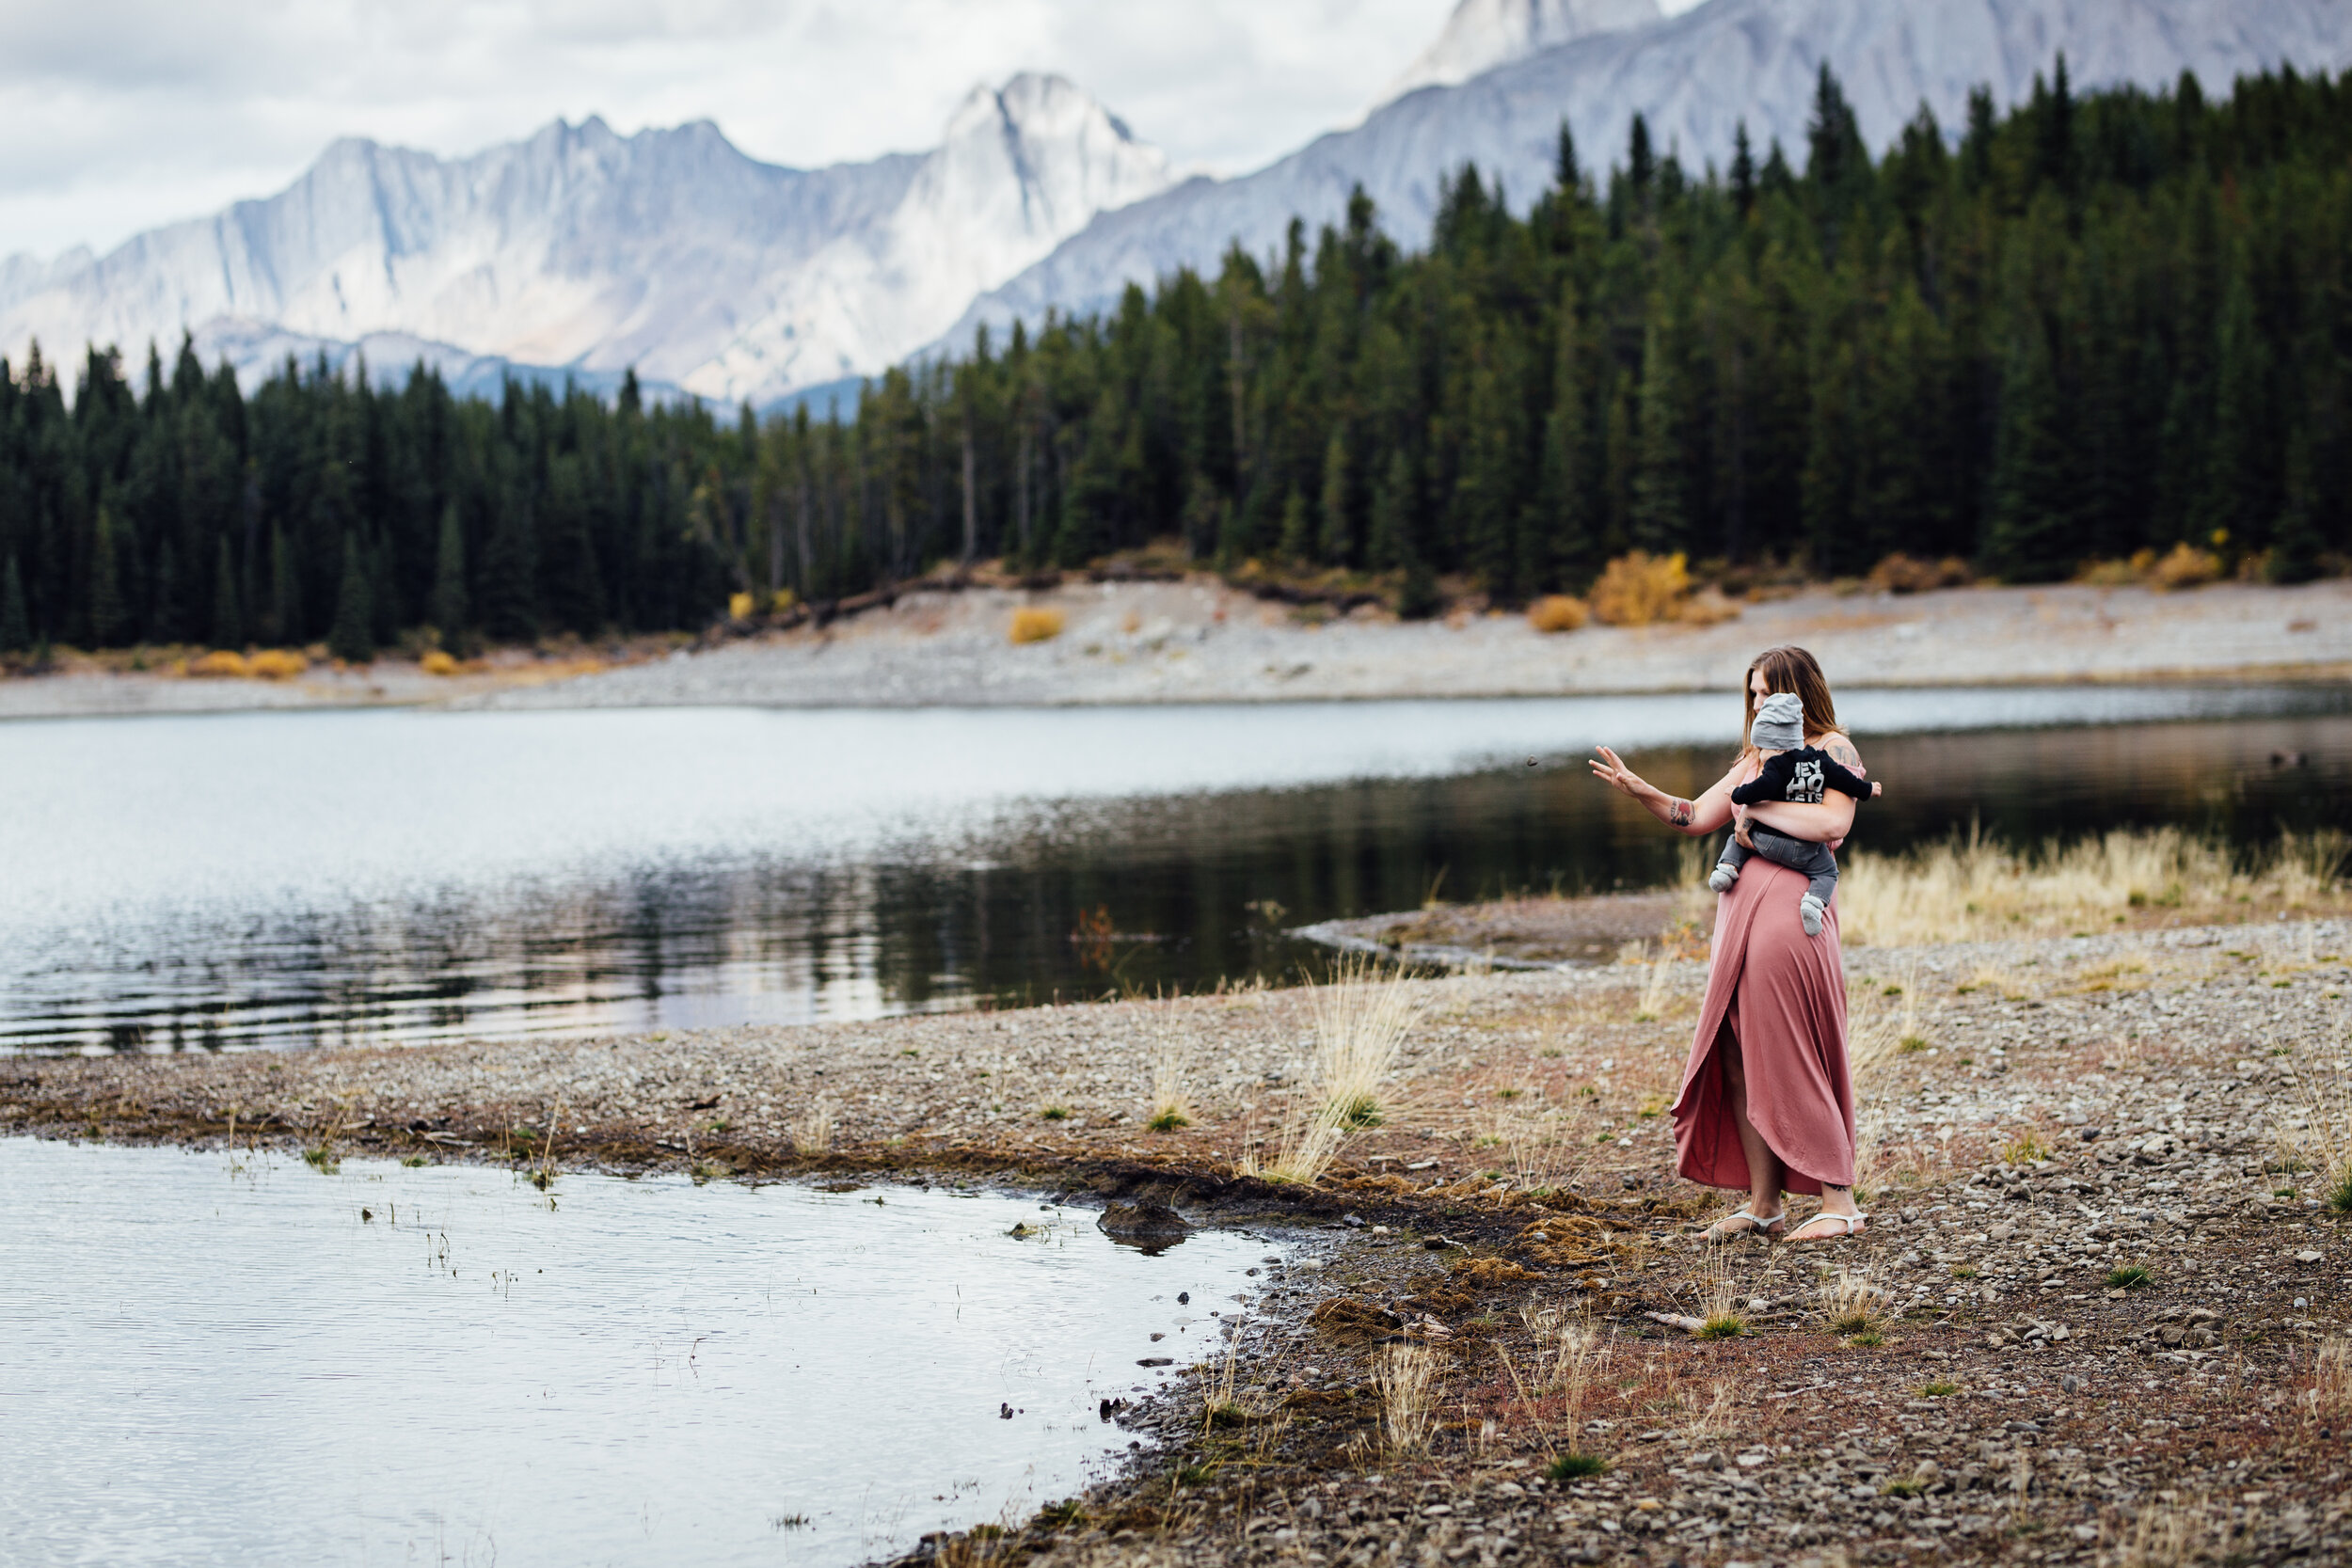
[(581, 253), (583, 250), (1696, 76)]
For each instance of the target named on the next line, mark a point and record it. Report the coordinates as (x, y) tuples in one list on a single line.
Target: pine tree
[(1660, 522), (165, 622), (1392, 543), (2295, 539), (16, 627), (2240, 490), (1742, 170), (108, 615), (1336, 545), (1566, 489), (2029, 536), (285, 621), (352, 639), (449, 578), (510, 572), (228, 622)]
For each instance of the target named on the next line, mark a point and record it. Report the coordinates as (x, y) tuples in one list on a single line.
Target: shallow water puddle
[(218, 1359)]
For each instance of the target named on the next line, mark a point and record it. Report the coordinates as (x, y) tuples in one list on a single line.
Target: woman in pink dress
[(1767, 1101)]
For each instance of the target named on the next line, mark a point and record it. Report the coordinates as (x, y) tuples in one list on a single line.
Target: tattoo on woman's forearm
[(1682, 813)]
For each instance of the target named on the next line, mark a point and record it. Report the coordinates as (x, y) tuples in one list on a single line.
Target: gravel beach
[(2072, 1107), (1198, 640)]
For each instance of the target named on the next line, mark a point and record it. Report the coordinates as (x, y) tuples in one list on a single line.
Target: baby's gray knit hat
[(1779, 723)]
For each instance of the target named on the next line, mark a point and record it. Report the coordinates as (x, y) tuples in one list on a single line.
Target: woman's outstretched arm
[(1706, 815), (1825, 823)]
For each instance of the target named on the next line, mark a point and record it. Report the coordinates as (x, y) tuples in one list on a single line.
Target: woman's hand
[(1704, 815), (1611, 771), (1739, 827)]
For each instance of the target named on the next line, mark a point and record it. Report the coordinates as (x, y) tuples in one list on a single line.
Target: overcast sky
[(117, 115)]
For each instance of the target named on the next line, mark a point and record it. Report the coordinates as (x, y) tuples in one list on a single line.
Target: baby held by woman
[(1792, 771)]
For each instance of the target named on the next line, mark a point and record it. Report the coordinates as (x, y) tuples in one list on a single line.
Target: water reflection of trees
[(757, 942)]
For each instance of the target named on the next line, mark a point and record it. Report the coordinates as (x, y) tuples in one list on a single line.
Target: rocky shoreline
[(2077, 1107), (1199, 640)]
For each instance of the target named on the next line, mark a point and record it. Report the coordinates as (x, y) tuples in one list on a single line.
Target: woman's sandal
[(1853, 1224), (1755, 1226)]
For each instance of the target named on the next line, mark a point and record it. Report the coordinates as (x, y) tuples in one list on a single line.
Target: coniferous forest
[(2093, 325)]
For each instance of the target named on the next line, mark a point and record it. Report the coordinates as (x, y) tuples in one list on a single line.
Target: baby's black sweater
[(1801, 775)]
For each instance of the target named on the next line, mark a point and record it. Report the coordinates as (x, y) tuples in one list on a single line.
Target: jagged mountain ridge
[(669, 250), (1695, 76), (1483, 34)]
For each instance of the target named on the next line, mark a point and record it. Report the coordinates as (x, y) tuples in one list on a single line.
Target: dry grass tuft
[(1555, 612), (438, 662), (1718, 1301), (2163, 1535), (1171, 1100), (1362, 1017), (1972, 889), (2329, 1397), (2321, 1139), (1539, 1146), (1305, 1146), (1881, 1029), (1032, 623), (1406, 1378), (278, 664), (221, 664), (811, 1132), (1852, 1303)]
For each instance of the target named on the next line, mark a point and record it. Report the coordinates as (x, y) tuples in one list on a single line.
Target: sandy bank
[(1201, 642)]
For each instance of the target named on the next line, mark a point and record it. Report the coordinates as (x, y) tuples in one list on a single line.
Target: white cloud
[(117, 115)]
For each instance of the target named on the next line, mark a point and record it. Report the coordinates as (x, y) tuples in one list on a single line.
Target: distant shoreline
[(1198, 640)]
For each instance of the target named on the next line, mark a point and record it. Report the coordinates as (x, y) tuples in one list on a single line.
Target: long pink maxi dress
[(1777, 997)]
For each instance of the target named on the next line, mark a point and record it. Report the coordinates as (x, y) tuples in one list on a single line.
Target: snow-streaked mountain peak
[(1483, 34), (668, 251)]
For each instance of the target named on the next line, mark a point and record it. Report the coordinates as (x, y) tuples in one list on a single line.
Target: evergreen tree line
[(2090, 326)]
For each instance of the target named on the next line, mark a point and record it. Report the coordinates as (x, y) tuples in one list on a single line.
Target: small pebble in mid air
[(1531, 762)]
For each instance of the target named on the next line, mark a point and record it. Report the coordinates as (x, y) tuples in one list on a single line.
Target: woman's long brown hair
[(1788, 669)]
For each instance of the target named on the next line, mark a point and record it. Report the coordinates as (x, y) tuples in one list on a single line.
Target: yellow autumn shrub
[(1031, 624), (1556, 613), (1638, 588)]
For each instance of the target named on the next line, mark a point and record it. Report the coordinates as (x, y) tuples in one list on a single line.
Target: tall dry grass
[(1172, 1098), (1406, 1376), (2323, 1142), (2329, 1397), (1974, 888), (811, 1132), (1361, 1015)]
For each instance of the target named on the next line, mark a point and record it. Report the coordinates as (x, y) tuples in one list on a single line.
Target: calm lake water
[(438, 1365), (287, 880)]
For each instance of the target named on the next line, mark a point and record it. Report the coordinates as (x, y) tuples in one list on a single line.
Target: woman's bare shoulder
[(1840, 750)]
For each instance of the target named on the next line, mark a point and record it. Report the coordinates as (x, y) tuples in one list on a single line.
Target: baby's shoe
[(1723, 877), (1810, 908)]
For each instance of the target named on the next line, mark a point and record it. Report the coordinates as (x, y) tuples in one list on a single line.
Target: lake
[(294, 879), (222, 1358)]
